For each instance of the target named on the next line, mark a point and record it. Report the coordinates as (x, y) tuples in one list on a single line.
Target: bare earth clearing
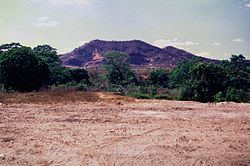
[(117, 131)]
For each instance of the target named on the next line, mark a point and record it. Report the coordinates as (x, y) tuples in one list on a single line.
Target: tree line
[(26, 69)]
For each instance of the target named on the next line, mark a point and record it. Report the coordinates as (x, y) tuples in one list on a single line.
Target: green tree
[(79, 75), (238, 82), (58, 73), (159, 77), (207, 80), (48, 54), (200, 81), (180, 76), (22, 70), (118, 67), (8, 47), (238, 72)]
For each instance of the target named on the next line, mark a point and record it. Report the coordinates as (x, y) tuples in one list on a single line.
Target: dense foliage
[(79, 75), (25, 69), (59, 74), (119, 71), (208, 82), (22, 70), (159, 77), (205, 81)]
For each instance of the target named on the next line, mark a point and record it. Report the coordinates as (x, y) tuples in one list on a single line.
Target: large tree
[(181, 74), (238, 82), (8, 47), (238, 72), (79, 75), (48, 54), (118, 67), (58, 73), (22, 70), (199, 81), (207, 80), (159, 77)]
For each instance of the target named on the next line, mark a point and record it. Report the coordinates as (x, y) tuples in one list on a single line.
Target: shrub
[(186, 93), (99, 82), (142, 96), (219, 97), (163, 96), (116, 89), (81, 87), (235, 95), (148, 89)]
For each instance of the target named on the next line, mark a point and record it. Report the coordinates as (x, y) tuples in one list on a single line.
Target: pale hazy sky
[(211, 28)]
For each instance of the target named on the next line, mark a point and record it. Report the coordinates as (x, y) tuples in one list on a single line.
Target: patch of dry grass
[(108, 96), (63, 95), (48, 97)]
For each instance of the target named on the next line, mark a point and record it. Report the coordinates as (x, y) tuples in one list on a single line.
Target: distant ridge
[(140, 54)]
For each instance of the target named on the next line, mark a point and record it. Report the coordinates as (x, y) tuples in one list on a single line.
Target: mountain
[(140, 54)]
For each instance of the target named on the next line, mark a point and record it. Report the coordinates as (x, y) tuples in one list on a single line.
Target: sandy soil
[(117, 132)]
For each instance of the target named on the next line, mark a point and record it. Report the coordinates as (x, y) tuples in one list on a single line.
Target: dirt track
[(141, 132)]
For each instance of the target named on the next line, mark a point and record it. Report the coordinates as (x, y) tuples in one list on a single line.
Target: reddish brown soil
[(125, 132)]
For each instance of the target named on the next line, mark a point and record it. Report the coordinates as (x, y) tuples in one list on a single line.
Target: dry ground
[(103, 129)]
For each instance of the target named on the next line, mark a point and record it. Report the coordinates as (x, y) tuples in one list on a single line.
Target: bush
[(142, 96), (98, 82), (219, 97), (116, 89), (148, 89), (81, 87), (63, 88), (71, 86), (236, 95), (186, 93), (163, 96)]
